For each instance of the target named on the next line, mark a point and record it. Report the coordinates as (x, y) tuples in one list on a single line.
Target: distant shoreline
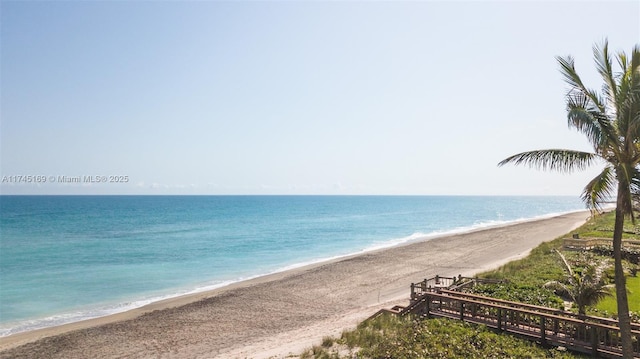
[(286, 311)]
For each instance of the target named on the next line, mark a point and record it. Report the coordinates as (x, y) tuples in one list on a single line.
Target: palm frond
[(592, 292), (554, 159), (603, 65), (635, 64), (588, 119), (571, 77), (600, 189), (585, 288), (568, 70), (629, 108), (560, 289), (622, 61), (630, 115), (566, 264), (628, 100)]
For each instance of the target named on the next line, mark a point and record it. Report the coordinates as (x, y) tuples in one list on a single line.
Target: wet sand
[(284, 313)]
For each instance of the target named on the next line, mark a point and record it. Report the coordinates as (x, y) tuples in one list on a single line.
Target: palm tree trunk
[(621, 287), (582, 311)]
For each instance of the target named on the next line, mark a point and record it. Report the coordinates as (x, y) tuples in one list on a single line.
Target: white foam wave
[(10, 328)]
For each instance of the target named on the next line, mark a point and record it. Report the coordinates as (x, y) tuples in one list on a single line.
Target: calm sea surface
[(67, 258)]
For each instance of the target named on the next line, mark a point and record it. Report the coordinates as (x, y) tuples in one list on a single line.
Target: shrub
[(520, 293), (441, 338)]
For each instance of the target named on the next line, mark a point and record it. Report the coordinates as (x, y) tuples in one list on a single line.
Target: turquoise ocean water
[(68, 258)]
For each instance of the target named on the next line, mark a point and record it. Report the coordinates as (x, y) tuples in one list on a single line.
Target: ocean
[(69, 258)]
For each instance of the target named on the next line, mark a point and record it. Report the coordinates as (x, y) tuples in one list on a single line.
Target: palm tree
[(611, 122), (584, 289)]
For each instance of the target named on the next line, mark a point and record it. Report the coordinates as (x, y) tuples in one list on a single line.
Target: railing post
[(413, 292), (594, 341), (428, 298), (543, 330), (462, 311), (499, 319)]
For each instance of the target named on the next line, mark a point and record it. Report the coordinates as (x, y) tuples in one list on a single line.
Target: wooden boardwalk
[(581, 244), (440, 297)]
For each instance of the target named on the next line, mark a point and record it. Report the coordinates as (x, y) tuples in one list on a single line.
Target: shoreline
[(120, 307), (67, 318), (352, 285)]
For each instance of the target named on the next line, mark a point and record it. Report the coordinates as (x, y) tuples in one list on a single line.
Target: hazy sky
[(259, 97)]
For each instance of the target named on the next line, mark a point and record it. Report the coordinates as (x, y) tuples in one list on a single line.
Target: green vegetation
[(392, 337), (608, 306), (610, 120), (527, 277), (541, 266), (389, 336), (602, 227), (584, 286), (521, 293)]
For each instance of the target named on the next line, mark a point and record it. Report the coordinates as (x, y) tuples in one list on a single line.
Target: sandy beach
[(284, 313)]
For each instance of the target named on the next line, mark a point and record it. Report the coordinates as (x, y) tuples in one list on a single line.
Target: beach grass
[(539, 267), (609, 306), (389, 336), (602, 227)]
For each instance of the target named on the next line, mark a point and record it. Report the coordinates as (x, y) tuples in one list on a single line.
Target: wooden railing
[(590, 335), (546, 310), (458, 283), (591, 243)]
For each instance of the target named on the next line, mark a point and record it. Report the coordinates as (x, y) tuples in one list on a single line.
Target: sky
[(283, 97)]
